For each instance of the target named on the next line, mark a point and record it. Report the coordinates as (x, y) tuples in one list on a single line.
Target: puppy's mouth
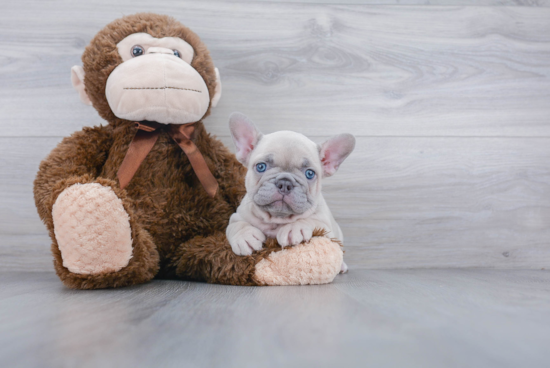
[(278, 208)]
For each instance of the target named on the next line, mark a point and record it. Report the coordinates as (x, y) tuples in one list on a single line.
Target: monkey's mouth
[(168, 87)]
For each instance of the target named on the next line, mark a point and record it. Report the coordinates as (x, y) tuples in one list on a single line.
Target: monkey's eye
[(137, 51), (261, 167), (177, 53), (310, 174)]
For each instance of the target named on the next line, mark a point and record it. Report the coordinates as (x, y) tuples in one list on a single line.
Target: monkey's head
[(148, 67)]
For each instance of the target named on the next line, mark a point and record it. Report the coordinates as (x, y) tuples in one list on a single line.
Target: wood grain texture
[(373, 70), (398, 318), (26, 253), (401, 202)]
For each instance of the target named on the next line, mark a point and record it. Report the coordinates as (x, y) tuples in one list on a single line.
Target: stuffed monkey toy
[(150, 193)]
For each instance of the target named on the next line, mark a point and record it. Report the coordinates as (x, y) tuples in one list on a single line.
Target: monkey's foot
[(315, 262), (92, 229)]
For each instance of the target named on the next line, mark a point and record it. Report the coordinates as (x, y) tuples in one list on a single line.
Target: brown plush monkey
[(127, 202)]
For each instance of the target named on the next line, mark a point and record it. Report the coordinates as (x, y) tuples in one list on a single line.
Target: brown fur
[(178, 231)]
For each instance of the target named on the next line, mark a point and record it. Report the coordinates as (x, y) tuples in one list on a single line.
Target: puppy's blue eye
[(261, 167), (310, 174), (177, 53)]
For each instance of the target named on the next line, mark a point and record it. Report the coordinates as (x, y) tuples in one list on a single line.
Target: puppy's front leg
[(243, 237), (297, 232)]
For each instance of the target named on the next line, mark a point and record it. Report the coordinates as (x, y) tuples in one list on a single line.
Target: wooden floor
[(445, 204), (368, 318)]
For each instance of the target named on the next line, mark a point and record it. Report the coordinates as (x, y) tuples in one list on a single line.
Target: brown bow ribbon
[(144, 140)]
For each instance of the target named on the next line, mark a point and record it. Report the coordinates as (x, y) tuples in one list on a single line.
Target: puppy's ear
[(245, 135), (334, 151)]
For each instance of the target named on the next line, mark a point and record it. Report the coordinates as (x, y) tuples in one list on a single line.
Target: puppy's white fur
[(281, 202)]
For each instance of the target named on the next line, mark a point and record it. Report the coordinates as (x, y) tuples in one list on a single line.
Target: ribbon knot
[(144, 140)]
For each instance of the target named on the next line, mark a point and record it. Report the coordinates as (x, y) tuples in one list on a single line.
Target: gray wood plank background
[(450, 106)]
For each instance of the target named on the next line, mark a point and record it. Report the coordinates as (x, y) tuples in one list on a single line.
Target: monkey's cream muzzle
[(157, 87)]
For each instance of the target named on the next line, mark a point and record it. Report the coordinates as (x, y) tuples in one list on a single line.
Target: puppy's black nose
[(285, 186)]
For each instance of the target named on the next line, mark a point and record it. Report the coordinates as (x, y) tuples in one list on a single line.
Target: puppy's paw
[(292, 234), (247, 240), (344, 267)]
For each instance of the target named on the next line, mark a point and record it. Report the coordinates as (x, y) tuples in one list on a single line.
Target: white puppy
[(283, 184)]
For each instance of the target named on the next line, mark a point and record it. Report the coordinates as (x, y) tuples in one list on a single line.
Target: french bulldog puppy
[(283, 183)]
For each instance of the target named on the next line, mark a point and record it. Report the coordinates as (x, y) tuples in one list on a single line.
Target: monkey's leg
[(97, 241), (211, 259)]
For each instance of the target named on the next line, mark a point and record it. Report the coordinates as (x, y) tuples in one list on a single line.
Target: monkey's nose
[(285, 186)]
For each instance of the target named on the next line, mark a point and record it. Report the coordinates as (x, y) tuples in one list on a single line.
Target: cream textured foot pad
[(92, 229), (315, 262)]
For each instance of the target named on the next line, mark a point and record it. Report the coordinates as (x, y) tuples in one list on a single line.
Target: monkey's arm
[(82, 154), (211, 259)]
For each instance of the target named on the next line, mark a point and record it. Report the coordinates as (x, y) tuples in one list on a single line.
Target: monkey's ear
[(245, 135), (77, 79), (218, 90)]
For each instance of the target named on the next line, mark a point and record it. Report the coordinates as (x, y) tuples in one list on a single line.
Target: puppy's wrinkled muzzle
[(282, 196)]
